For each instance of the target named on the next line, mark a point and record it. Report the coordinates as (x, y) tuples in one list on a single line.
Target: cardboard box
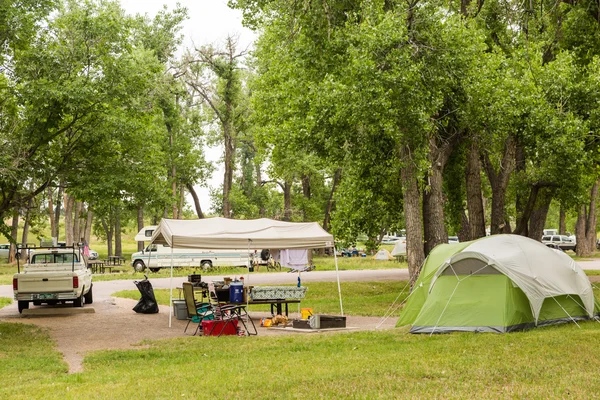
[(214, 328)]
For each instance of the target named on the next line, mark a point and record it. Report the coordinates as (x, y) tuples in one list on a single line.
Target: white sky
[(209, 22)]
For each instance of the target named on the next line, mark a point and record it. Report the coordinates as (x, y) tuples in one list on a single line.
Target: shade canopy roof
[(225, 233)]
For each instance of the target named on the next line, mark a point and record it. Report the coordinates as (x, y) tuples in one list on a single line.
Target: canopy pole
[(337, 275), (171, 289)]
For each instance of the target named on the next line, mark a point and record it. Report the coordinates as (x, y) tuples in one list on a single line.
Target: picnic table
[(114, 260)]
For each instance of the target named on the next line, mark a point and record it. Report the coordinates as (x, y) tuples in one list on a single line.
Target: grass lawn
[(552, 362), (359, 298)]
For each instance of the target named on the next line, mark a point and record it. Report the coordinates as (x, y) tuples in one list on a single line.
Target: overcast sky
[(209, 22)]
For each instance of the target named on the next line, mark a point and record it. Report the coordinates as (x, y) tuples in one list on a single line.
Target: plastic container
[(236, 292), (306, 313), (180, 309)]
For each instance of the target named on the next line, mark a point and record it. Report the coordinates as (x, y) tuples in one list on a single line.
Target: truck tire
[(154, 269), (78, 302), (37, 303), (206, 265), (23, 305), (139, 266), (89, 296)]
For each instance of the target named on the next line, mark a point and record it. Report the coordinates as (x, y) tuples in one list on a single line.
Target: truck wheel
[(23, 305), (154, 269), (89, 296), (37, 303), (206, 265), (139, 266), (78, 302)]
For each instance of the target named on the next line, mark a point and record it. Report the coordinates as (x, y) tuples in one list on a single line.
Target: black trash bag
[(147, 304)]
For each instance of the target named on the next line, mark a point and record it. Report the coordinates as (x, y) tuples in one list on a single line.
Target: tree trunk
[(287, 201), (25, 234), (337, 177), (108, 227), (69, 203), (192, 191), (259, 182), (181, 202), (464, 235), (562, 225), (118, 245), (140, 225), (14, 230), (229, 159), (474, 196), (539, 213), (77, 222), (499, 183), (306, 194), (414, 229), (88, 225), (585, 230), (434, 229), (59, 199), (53, 220)]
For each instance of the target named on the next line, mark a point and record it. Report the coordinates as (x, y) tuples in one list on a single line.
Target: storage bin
[(180, 309), (213, 328)]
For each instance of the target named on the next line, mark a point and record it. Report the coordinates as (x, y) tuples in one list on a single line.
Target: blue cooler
[(236, 292)]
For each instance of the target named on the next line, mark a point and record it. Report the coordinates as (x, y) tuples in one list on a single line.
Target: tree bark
[(474, 197), (414, 229), (192, 191), (562, 225), (118, 245), (77, 222), (499, 182), (69, 203), (140, 225), (434, 228), (337, 177), (88, 225), (108, 230), (14, 230), (306, 193), (26, 223), (59, 198), (181, 202), (540, 213), (585, 229), (287, 201), (229, 145), (53, 221)]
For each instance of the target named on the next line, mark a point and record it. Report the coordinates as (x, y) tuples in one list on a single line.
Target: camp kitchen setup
[(220, 307)]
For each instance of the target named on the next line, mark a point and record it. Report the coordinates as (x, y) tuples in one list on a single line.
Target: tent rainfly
[(223, 233), (499, 283)]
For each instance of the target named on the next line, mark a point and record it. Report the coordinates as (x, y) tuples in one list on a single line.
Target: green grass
[(359, 298), (4, 301), (552, 362)]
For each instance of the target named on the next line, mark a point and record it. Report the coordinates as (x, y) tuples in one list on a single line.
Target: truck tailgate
[(45, 283)]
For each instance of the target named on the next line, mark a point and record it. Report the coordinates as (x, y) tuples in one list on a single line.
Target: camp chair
[(197, 312), (229, 312)]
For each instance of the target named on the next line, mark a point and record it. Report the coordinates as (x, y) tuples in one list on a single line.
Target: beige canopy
[(224, 233)]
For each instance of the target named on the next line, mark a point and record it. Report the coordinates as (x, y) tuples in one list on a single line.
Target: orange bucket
[(306, 313)]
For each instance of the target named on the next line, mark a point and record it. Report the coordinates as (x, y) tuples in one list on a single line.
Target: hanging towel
[(294, 259)]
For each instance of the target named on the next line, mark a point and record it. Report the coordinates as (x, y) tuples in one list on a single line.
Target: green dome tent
[(499, 283)]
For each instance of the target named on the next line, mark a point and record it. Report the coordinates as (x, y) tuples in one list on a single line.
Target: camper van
[(154, 257)]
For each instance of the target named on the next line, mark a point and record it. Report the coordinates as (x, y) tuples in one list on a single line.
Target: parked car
[(562, 241), (93, 255), (4, 251), (453, 239)]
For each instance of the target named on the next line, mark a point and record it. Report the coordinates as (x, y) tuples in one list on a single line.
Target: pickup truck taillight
[(15, 284), (75, 282)]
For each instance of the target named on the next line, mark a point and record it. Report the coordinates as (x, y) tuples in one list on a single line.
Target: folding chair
[(197, 312), (229, 312)]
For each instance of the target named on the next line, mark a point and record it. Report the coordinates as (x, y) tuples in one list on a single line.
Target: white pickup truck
[(53, 276)]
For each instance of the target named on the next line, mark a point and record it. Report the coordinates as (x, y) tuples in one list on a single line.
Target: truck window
[(54, 258)]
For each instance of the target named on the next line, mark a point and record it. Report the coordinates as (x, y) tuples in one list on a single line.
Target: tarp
[(252, 234), (224, 233), (497, 283), (399, 248)]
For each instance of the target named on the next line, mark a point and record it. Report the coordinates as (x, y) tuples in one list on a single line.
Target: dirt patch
[(115, 325)]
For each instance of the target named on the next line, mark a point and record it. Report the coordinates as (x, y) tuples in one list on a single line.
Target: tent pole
[(337, 275), (171, 289)]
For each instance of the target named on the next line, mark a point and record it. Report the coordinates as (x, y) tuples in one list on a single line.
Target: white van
[(155, 257)]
